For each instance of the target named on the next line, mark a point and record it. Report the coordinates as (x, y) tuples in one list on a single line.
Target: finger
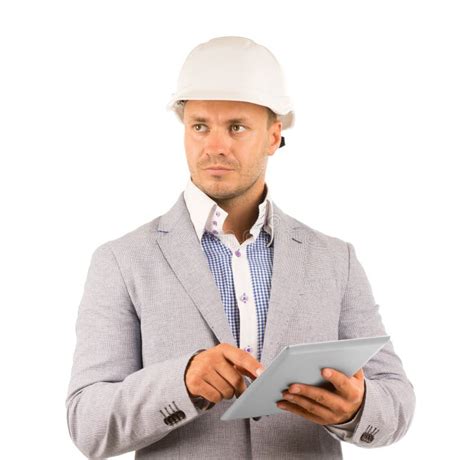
[(313, 417), (210, 393), (311, 406), (233, 377), (245, 372), (341, 381), (359, 375), (310, 394), (242, 387), (242, 359), (221, 384)]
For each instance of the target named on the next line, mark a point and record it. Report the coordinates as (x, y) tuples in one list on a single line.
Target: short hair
[(272, 117)]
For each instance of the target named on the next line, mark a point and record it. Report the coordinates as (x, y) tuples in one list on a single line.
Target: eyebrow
[(231, 120)]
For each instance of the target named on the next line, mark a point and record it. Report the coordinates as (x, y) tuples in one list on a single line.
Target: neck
[(242, 211)]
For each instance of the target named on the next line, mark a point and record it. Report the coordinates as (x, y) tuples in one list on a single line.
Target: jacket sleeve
[(389, 400), (114, 405)]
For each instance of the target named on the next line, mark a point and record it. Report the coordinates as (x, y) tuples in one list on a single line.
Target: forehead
[(228, 110)]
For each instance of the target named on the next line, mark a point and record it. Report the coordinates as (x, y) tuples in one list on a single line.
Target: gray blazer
[(150, 302)]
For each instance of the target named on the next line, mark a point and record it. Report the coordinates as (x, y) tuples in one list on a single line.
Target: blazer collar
[(180, 245)]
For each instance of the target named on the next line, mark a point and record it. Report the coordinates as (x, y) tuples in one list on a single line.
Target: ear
[(274, 137)]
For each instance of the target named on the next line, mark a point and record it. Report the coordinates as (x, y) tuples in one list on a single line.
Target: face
[(230, 134)]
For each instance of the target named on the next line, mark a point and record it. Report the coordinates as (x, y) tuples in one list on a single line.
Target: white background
[(380, 156)]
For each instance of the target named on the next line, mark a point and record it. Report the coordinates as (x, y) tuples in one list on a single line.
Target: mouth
[(218, 170)]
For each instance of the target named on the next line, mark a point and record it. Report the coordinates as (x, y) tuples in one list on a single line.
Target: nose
[(217, 141)]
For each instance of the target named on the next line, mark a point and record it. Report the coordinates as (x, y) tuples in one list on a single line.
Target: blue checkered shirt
[(260, 257), (246, 266)]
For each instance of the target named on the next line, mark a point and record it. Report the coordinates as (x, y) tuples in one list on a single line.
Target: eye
[(236, 131), (199, 125)]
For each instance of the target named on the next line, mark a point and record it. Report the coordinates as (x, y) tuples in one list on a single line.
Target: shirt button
[(237, 253), (244, 297), (214, 222), (248, 348), (215, 232), (218, 213)]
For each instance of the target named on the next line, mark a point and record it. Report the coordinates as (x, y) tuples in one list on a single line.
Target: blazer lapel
[(180, 246), (287, 282)]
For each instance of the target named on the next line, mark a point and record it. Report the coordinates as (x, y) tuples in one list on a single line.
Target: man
[(176, 313)]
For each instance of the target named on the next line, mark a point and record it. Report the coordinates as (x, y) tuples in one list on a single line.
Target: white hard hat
[(233, 69)]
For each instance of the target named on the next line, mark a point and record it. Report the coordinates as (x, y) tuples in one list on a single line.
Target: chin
[(219, 191)]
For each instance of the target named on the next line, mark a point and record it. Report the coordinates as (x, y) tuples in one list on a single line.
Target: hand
[(217, 373), (326, 407)]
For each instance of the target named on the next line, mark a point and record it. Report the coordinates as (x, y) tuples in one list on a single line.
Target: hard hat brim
[(283, 109)]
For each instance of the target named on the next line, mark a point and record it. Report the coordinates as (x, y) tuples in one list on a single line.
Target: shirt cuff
[(202, 403)]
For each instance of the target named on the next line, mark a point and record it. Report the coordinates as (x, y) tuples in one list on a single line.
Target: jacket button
[(174, 417), (369, 434)]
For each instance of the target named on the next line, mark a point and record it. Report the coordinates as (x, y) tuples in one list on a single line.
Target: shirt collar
[(207, 215)]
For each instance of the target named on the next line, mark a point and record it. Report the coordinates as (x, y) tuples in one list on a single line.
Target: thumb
[(241, 388), (359, 375)]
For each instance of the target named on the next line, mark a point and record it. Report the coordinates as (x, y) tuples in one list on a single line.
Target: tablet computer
[(302, 363)]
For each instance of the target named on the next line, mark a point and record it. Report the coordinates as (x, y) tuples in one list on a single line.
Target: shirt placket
[(248, 333), (245, 301)]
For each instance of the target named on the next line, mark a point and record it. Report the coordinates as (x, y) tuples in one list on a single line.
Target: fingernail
[(327, 373), (259, 372)]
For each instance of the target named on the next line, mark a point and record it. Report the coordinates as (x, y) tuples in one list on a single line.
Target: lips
[(219, 168)]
